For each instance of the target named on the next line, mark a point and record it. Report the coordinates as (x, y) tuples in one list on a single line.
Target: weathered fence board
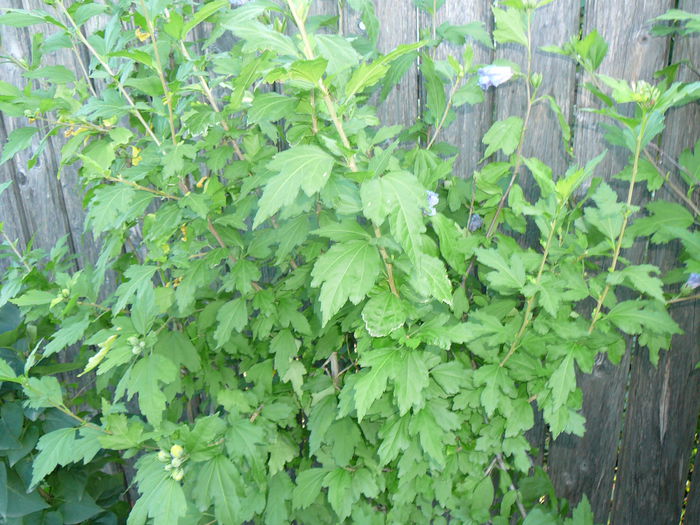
[(692, 510), (44, 208), (663, 401), (641, 420), (587, 465), (472, 121)]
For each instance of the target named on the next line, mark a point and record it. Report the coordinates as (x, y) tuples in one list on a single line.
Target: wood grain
[(663, 404), (650, 439), (587, 465)]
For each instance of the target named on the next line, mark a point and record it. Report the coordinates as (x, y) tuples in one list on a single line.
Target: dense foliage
[(317, 321)]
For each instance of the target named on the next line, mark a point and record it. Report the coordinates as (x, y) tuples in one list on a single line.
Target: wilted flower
[(475, 222), (494, 76), (693, 281), (433, 200)]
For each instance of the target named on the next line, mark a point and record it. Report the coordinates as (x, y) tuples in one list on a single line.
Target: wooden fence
[(633, 462)]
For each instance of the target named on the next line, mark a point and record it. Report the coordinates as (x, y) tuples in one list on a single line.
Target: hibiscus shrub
[(313, 319)]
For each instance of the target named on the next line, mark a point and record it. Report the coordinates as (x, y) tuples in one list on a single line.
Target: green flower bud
[(177, 474), (163, 456)]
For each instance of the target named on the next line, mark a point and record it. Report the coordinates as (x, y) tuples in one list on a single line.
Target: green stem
[(109, 71), (159, 63), (531, 301), (16, 252), (448, 106), (618, 245), (330, 105)]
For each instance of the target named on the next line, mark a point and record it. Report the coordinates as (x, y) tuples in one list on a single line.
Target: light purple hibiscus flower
[(693, 281), (494, 76), (433, 200), (475, 222)]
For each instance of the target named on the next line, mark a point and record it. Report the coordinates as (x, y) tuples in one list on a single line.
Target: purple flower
[(475, 222), (494, 76), (433, 200), (693, 281)]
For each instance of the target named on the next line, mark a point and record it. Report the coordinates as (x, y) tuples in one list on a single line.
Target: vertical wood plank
[(472, 121), (398, 25), (587, 465), (552, 24), (663, 401), (692, 509), (49, 208)]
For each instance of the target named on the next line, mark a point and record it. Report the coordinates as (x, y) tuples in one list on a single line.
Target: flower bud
[(163, 456), (177, 451), (177, 474), (177, 462)]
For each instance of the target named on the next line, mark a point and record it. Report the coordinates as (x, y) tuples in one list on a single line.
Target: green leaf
[(583, 514), (202, 14), (179, 348), (6, 371), (144, 380), (371, 385), (338, 51), (634, 317), (542, 175), (19, 139), (219, 482), (346, 230), (124, 434), (271, 107), (308, 487), (503, 135), (562, 381), (573, 178), (400, 196), (54, 74), (259, 37), (340, 496), (665, 216), (511, 26), (450, 376), (639, 277), (369, 74), (61, 447), (34, 298), (345, 272), (139, 278), (113, 205), (44, 392), (411, 377), (609, 214), (434, 272), (284, 347), (110, 105), (395, 438), (163, 498), (509, 275), (431, 435), (383, 314), (307, 167), (232, 316), (71, 332), (23, 17), (15, 501), (496, 383)]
